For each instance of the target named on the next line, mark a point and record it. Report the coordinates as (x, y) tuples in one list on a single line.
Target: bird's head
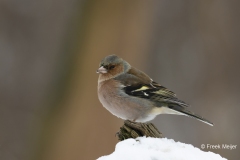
[(112, 66)]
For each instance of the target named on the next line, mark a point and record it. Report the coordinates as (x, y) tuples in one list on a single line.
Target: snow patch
[(147, 148)]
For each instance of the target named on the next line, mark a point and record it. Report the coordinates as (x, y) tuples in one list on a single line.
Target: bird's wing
[(138, 84)]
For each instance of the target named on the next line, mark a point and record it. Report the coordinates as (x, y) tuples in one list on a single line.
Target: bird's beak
[(102, 70)]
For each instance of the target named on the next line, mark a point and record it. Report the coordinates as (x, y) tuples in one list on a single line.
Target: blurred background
[(50, 50)]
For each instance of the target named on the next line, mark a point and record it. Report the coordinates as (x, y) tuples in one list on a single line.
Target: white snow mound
[(149, 148)]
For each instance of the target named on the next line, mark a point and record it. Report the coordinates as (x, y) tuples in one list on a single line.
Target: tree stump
[(133, 130)]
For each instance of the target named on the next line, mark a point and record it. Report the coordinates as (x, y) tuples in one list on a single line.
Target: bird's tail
[(186, 112)]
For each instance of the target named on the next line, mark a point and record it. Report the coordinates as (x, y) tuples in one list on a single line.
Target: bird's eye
[(111, 67)]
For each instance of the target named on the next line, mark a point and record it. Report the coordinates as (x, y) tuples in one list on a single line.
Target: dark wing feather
[(138, 84)]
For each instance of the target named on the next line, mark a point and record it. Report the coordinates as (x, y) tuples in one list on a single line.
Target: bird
[(130, 94)]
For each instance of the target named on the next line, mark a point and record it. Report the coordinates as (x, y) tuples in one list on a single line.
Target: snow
[(147, 148)]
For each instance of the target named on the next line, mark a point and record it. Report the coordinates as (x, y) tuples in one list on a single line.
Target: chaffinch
[(130, 94)]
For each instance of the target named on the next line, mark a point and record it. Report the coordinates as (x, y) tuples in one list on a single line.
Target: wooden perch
[(133, 130)]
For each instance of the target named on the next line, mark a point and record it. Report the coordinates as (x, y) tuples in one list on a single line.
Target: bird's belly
[(116, 105), (123, 106)]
